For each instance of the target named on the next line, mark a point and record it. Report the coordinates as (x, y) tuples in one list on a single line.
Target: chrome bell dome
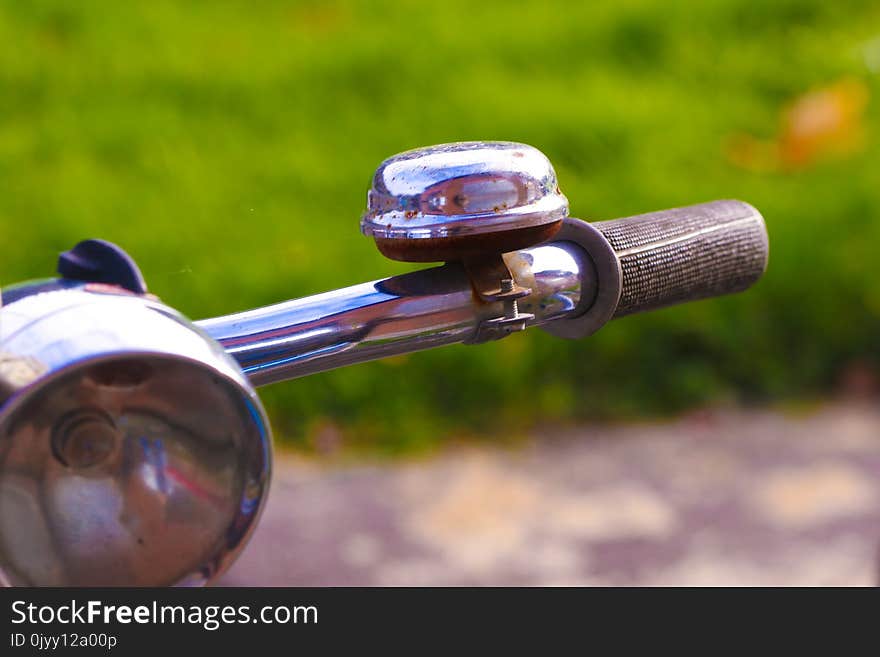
[(449, 201)]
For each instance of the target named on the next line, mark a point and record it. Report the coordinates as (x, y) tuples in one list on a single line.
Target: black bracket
[(99, 261)]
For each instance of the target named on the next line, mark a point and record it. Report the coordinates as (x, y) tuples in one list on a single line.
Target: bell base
[(465, 247)]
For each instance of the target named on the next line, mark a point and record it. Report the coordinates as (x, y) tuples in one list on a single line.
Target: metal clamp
[(493, 281)]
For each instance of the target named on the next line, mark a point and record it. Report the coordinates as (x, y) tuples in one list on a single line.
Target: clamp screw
[(511, 309)]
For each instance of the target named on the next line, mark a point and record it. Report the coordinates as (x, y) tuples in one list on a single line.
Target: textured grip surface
[(687, 253)]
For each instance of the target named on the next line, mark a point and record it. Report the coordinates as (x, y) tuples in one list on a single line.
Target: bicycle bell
[(470, 202), (463, 200)]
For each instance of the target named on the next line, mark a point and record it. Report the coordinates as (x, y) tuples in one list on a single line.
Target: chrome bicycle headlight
[(133, 451)]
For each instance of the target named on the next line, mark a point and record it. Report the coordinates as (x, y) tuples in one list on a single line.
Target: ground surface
[(730, 498)]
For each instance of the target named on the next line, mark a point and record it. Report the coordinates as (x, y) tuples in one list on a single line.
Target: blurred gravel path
[(715, 498)]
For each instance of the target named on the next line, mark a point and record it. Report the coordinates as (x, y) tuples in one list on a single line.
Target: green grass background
[(228, 147)]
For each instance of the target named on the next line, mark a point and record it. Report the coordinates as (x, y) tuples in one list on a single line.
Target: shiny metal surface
[(462, 189), (395, 315), (136, 454)]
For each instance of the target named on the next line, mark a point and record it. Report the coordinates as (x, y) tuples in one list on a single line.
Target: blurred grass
[(228, 146)]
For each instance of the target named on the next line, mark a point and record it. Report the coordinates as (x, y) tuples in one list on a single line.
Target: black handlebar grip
[(685, 254), (661, 258)]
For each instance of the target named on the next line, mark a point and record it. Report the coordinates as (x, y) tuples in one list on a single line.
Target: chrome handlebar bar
[(396, 315)]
